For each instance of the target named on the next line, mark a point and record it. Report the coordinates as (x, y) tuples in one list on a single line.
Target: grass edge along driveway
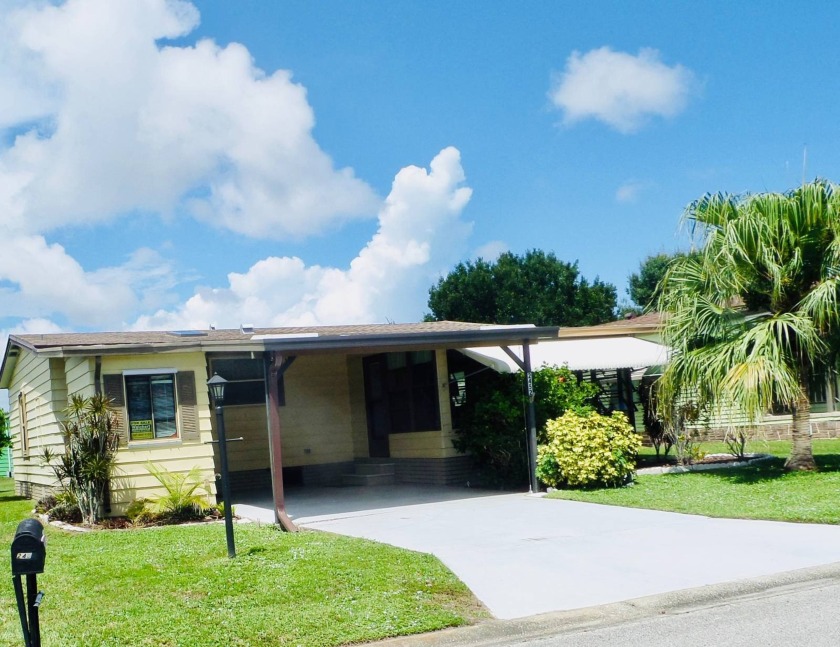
[(760, 491), (175, 586)]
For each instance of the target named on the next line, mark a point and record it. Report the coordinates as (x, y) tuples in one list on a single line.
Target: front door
[(376, 395)]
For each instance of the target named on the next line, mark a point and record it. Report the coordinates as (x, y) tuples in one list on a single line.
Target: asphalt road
[(799, 607), (805, 614)]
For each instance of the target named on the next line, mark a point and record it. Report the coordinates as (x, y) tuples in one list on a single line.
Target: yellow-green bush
[(588, 450)]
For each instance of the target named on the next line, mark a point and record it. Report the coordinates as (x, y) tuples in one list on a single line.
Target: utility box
[(29, 548)]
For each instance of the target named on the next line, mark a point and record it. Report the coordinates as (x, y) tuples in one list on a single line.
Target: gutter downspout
[(276, 365)]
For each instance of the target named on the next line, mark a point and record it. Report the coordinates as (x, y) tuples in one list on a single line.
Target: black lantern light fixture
[(217, 389), (216, 384)]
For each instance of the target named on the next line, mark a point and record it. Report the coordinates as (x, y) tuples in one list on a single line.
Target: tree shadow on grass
[(771, 470)]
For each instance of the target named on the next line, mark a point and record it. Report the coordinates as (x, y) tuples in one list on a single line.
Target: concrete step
[(374, 468), (368, 479)]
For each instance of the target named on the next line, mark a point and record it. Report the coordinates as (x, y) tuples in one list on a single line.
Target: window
[(246, 380), (23, 417), (150, 400)]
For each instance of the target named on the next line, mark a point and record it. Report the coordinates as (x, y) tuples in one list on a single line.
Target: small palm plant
[(85, 467), (185, 498)]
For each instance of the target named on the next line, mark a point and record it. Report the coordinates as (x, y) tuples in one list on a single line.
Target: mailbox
[(29, 548)]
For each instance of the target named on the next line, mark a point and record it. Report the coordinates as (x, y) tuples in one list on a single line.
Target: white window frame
[(152, 371)]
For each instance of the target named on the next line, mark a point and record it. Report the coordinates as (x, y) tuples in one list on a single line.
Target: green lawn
[(175, 586), (763, 491)]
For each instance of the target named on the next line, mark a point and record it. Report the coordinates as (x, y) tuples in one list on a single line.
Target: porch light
[(217, 389)]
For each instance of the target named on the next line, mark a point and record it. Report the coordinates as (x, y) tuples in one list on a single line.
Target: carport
[(283, 354)]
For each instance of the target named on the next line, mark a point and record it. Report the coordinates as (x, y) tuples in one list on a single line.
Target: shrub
[(654, 425), (588, 450), (61, 506)]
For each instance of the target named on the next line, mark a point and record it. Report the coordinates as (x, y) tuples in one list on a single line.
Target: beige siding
[(42, 381), (249, 423), (132, 478), (430, 444), (316, 421), (80, 376)]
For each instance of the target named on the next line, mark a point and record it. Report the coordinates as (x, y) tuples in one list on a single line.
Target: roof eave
[(7, 368), (408, 341)]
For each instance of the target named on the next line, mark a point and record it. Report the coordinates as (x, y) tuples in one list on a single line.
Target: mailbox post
[(29, 552)]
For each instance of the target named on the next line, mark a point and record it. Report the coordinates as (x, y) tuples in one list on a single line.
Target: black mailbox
[(29, 548)]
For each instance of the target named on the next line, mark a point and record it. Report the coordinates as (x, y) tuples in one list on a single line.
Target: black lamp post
[(217, 389)]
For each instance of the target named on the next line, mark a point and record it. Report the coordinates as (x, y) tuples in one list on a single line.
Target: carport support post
[(531, 417), (276, 366)]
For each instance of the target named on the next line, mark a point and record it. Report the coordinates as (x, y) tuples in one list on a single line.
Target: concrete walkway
[(523, 555)]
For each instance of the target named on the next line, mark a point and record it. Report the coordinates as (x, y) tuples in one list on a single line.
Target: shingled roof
[(244, 336), (368, 338), (649, 323)]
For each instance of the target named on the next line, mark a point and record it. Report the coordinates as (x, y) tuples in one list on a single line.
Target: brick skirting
[(34, 491)]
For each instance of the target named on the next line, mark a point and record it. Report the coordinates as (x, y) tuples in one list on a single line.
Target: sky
[(177, 165)]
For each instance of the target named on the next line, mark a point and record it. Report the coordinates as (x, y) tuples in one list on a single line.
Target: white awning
[(603, 353)]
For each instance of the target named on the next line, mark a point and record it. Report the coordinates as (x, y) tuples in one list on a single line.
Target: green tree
[(753, 318), (644, 285), (535, 288), (5, 436)]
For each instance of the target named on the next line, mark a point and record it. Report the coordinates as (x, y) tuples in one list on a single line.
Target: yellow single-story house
[(311, 405)]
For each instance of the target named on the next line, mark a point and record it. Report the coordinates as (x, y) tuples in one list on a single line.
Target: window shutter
[(188, 406), (113, 386)]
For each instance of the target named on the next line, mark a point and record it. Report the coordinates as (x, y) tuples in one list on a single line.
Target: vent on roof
[(187, 333), (246, 329)]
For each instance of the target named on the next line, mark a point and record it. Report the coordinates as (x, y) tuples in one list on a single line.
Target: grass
[(175, 586), (762, 491)]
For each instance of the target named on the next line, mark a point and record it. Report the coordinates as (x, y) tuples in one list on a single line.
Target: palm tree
[(753, 318)]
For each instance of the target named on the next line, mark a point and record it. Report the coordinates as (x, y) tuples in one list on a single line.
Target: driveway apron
[(522, 555)]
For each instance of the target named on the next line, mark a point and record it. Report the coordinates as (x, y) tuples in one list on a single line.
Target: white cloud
[(127, 124), (491, 251), (38, 278), (420, 235), (629, 191), (620, 89)]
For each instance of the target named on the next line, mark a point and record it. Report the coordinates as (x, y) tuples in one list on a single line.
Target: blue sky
[(176, 165)]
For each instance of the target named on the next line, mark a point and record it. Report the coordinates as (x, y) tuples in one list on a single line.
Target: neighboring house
[(309, 403), (6, 462), (824, 396)]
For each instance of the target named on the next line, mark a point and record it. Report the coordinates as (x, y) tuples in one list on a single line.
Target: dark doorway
[(377, 406), (402, 396)]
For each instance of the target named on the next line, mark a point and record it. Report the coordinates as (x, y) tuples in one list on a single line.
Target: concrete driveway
[(522, 555)]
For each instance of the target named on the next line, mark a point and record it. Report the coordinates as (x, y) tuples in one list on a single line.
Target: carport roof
[(603, 353), (293, 339)]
